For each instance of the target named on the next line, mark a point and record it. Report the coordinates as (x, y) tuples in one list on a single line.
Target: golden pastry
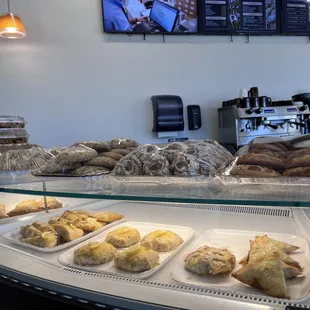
[(289, 271), (260, 249), (266, 275), (136, 259), (29, 231), (210, 261), (72, 216), (58, 220), (94, 253), (45, 240), (52, 203), (2, 211), (25, 207), (123, 237), (43, 227), (68, 232), (82, 214), (285, 247), (89, 225), (108, 217), (161, 241), (35, 229)]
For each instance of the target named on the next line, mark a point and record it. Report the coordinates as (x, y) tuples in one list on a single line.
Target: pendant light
[(11, 26)]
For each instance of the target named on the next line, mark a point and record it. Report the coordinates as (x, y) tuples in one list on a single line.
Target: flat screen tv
[(257, 17), (150, 16), (295, 17)]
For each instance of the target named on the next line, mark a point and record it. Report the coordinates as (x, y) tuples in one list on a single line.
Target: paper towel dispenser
[(168, 113)]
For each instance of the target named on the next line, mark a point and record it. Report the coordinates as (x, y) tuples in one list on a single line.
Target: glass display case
[(203, 212)]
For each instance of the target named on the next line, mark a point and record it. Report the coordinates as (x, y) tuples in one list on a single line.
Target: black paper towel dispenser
[(168, 113)]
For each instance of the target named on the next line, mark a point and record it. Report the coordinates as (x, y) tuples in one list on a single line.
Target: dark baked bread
[(298, 152), (300, 139), (281, 155), (281, 146), (253, 171), (269, 146), (261, 160), (299, 161), (113, 155), (297, 172)]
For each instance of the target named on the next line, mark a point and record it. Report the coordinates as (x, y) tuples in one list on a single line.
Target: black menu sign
[(215, 16), (241, 16), (295, 17)]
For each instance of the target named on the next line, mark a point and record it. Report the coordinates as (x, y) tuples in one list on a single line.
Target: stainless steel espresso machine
[(242, 120)]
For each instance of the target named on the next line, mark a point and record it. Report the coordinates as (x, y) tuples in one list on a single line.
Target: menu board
[(295, 17), (240, 16)]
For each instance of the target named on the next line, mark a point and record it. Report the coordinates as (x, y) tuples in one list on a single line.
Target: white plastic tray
[(15, 237), (237, 242), (186, 233)]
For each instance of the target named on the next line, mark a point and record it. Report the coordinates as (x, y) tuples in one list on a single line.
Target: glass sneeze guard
[(208, 190)]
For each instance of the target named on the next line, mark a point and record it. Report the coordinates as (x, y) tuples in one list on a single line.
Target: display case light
[(11, 25)]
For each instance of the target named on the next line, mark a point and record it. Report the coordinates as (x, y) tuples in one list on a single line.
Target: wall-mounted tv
[(240, 17), (296, 17), (150, 16)]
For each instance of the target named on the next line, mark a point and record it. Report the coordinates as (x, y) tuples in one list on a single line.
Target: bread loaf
[(280, 155), (112, 155), (269, 146), (253, 171), (297, 172), (299, 161), (261, 160), (297, 153)]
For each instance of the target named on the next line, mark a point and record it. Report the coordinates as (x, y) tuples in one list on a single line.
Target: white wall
[(72, 82)]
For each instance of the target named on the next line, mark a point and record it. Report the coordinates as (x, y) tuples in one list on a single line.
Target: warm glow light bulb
[(11, 26)]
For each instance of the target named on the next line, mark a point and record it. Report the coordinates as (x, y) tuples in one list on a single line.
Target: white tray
[(186, 233), (237, 242), (15, 237)]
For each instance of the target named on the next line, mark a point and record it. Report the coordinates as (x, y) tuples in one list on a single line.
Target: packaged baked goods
[(98, 146), (278, 162), (190, 158), (13, 135), (122, 143), (26, 159), (86, 158), (9, 121), (75, 154)]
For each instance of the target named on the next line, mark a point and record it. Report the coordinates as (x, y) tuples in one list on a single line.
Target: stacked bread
[(87, 158), (273, 160), (190, 158), (12, 133)]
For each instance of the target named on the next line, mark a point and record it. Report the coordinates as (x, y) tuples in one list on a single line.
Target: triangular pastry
[(285, 247), (266, 275), (262, 247)]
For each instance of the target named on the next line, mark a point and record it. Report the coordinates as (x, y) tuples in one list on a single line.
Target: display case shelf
[(204, 191)]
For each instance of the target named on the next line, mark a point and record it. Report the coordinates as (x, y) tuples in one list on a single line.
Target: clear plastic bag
[(190, 158), (13, 135), (281, 161), (25, 159), (8, 121), (86, 158)]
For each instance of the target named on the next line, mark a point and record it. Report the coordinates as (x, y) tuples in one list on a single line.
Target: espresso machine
[(244, 119)]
